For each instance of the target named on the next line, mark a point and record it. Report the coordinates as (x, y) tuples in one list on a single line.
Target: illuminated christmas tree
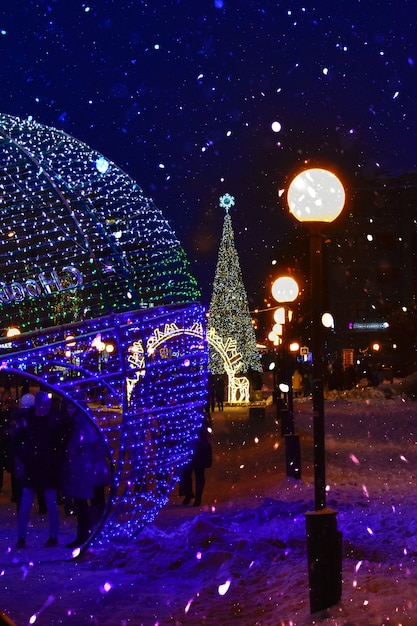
[(229, 310)]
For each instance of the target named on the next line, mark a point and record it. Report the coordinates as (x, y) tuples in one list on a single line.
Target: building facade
[(370, 259)]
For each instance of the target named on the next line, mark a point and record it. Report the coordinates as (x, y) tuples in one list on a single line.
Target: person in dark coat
[(39, 443), (85, 470), (202, 459), (18, 421), (219, 391), (212, 392), (6, 402)]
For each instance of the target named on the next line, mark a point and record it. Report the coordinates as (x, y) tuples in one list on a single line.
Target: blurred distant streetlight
[(12, 332), (278, 329), (70, 341), (327, 320), (274, 337), (279, 315), (316, 196), (103, 349)]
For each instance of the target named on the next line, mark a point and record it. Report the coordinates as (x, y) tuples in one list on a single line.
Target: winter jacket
[(85, 465), (38, 445)]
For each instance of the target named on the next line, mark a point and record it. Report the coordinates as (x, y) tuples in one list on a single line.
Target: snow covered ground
[(241, 557)]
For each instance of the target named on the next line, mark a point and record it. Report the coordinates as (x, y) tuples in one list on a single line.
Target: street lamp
[(316, 196), (13, 332), (284, 290)]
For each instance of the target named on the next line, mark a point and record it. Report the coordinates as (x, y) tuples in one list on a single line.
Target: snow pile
[(241, 558)]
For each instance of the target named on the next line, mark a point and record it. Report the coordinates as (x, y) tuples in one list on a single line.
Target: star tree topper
[(227, 201)]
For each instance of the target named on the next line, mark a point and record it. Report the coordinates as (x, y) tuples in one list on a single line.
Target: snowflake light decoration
[(227, 201)]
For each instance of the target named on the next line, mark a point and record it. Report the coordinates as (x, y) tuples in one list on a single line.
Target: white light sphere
[(277, 329), (316, 195), (285, 289), (13, 332), (279, 315), (327, 320)]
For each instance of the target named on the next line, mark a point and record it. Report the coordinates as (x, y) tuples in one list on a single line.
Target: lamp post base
[(287, 422), (324, 553)]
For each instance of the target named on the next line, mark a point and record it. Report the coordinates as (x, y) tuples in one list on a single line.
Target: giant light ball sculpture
[(109, 317)]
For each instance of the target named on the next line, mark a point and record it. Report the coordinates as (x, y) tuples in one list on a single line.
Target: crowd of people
[(53, 453)]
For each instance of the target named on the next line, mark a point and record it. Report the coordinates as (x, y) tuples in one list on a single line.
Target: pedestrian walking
[(201, 460), (219, 391), (17, 424), (297, 383), (6, 402), (85, 472), (212, 392)]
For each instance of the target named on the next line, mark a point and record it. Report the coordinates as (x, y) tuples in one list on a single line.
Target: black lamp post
[(284, 290), (316, 196)]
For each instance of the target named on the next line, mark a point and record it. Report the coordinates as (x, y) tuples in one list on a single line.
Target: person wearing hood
[(84, 471), (18, 421), (40, 443)]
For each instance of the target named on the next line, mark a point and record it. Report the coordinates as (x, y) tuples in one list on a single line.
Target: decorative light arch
[(238, 386)]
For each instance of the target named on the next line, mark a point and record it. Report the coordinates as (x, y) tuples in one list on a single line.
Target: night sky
[(184, 95)]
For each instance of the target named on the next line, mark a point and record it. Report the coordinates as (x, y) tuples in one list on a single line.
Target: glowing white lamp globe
[(277, 329), (279, 315), (327, 320), (316, 195), (285, 289), (273, 338), (13, 332)]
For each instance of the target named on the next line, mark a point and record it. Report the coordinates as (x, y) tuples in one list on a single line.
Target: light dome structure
[(99, 287), (72, 220)]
